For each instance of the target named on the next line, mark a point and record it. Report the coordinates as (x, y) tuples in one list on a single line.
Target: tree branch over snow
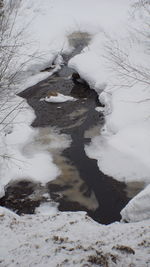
[(9, 41), (124, 68), (129, 71)]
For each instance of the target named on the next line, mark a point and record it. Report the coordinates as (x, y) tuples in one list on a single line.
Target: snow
[(138, 208), (40, 44), (124, 154), (59, 98), (70, 239), (90, 68), (123, 148)]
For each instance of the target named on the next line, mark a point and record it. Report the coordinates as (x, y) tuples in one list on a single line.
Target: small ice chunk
[(46, 195), (59, 98), (99, 109), (48, 208)]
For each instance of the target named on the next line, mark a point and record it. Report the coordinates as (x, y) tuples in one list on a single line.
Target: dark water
[(83, 186)]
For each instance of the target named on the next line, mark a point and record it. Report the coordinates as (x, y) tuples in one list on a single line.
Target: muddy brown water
[(81, 185)]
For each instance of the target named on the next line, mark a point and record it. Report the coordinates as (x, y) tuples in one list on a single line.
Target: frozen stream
[(81, 185)]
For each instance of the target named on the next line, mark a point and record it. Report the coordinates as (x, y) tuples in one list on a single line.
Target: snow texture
[(71, 239)]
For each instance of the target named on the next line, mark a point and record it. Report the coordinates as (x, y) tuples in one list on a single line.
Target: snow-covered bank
[(118, 69), (71, 239), (26, 152), (123, 148)]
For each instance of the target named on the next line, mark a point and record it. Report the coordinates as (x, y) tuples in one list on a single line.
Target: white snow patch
[(90, 67), (125, 155)]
